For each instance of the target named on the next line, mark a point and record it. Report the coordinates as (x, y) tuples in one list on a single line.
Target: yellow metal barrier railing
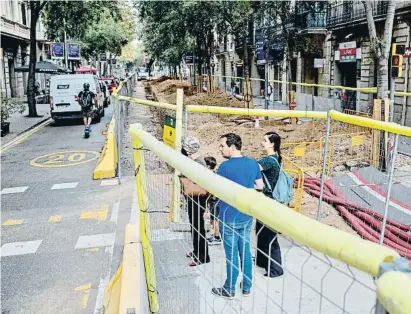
[(393, 292), (354, 251), (370, 123), (361, 254), (139, 164), (258, 112), (366, 90), (298, 174)]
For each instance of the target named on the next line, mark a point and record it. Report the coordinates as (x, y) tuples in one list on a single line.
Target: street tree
[(164, 32), (36, 8), (238, 16), (75, 17), (381, 46), (109, 34)]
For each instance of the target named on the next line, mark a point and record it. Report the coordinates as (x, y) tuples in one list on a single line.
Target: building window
[(23, 14), (11, 16)]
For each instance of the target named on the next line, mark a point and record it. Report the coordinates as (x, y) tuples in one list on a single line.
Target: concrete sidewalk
[(19, 123)]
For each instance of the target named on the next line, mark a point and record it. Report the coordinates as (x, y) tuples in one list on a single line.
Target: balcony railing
[(220, 49), (312, 20), (340, 13)]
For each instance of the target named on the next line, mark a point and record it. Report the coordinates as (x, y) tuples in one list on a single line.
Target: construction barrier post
[(324, 170), (118, 135), (390, 179), (179, 130)]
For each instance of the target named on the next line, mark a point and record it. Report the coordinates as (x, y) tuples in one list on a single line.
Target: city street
[(62, 232)]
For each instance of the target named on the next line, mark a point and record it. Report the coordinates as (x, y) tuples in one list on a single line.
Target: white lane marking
[(95, 240), (109, 182), (62, 186), (105, 276), (377, 195), (20, 248), (114, 212), (18, 189)]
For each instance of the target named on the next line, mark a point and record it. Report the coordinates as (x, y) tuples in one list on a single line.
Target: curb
[(25, 134), (107, 163), (126, 291)]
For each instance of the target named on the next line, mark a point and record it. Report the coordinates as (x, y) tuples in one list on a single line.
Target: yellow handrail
[(371, 123), (354, 251), (366, 90), (148, 102), (394, 292), (258, 112)]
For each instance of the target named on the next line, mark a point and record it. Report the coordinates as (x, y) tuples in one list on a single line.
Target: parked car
[(110, 82), (142, 73), (106, 93), (64, 90)]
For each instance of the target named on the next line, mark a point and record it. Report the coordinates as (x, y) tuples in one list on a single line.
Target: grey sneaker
[(214, 241), (223, 293)]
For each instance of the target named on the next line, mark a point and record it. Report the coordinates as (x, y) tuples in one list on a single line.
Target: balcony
[(14, 29), (312, 23), (343, 13)]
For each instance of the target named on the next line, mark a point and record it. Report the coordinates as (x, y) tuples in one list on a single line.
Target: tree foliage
[(76, 17), (99, 25)]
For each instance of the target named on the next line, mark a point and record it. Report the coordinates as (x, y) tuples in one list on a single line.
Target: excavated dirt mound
[(170, 86), (215, 99), (160, 80)]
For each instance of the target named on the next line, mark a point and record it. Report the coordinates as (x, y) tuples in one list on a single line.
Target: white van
[(64, 90)]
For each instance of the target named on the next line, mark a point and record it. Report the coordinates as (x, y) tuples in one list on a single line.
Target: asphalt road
[(62, 232)]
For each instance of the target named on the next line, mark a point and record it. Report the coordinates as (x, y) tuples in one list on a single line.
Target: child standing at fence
[(213, 205)]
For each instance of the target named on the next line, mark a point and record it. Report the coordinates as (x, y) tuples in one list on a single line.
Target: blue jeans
[(236, 241)]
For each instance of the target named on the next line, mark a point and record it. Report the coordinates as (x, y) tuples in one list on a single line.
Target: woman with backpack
[(267, 239)]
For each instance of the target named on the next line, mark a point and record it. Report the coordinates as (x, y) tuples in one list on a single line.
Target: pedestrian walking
[(196, 198), (235, 226), (268, 248)]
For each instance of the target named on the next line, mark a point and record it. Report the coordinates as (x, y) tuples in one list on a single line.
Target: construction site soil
[(208, 128)]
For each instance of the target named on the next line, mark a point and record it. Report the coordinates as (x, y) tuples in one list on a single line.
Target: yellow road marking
[(95, 249), (12, 222), (64, 159), (99, 214), (85, 300), (30, 133), (83, 287), (55, 218), (86, 288)]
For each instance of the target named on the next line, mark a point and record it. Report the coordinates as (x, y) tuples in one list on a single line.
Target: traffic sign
[(407, 53)]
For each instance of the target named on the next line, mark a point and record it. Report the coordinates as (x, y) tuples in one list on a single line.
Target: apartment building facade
[(15, 44), (334, 50)]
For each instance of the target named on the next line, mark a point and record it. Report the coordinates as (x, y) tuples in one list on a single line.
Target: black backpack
[(86, 100)]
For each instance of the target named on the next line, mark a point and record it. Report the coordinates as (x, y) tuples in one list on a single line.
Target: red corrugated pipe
[(363, 220)]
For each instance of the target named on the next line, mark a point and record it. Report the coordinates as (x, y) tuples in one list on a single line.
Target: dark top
[(271, 170), (86, 100), (244, 171)]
